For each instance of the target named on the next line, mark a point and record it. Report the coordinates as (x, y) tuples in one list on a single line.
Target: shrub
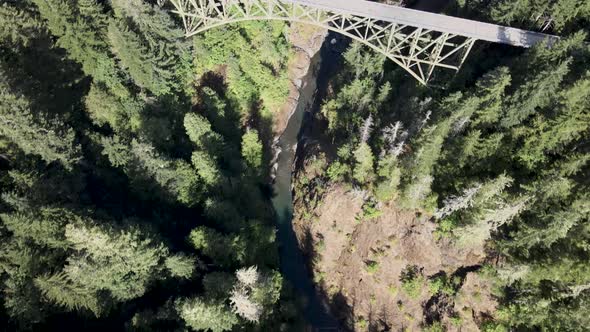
[(441, 285), (412, 281), (372, 267)]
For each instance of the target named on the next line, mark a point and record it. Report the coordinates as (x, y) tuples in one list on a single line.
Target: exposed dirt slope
[(358, 258)]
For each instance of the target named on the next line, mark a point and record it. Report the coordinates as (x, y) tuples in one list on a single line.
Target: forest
[(135, 166)]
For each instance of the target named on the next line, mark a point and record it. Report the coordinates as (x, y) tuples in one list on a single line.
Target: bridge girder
[(419, 51)]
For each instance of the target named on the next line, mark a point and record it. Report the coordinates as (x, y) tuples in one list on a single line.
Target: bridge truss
[(416, 49)]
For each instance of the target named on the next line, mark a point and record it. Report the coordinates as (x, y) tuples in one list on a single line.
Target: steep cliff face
[(380, 266), (307, 41)]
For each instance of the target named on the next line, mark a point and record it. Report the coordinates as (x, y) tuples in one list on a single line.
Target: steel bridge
[(417, 41)]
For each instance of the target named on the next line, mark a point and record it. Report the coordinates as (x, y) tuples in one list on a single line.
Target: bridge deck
[(454, 25)]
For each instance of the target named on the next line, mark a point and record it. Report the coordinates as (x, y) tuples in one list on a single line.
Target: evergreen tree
[(84, 37), (108, 266), (49, 139), (45, 227), (551, 228), (173, 179), (215, 245), (181, 266), (105, 108), (206, 167), (21, 299), (544, 14), (204, 315), (59, 290), (148, 44), (363, 168), (252, 150), (18, 26), (419, 184)]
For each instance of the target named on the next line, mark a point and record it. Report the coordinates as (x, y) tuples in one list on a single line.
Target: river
[(293, 263)]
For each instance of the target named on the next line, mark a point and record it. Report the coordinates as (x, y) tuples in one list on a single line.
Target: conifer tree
[(105, 108), (551, 228), (18, 26), (206, 167), (206, 315), (49, 139), (123, 262), (215, 245), (21, 299), (59, 290), (363, 169), (149, 45), (419, 184), (181, 266), (45, 227), (84, 37), (108, 266), (536, 93), (173, 179), (543, 14), (252, 150), (553, 133)]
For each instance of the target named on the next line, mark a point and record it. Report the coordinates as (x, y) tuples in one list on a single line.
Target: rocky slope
[(306, 41), (362, 256)]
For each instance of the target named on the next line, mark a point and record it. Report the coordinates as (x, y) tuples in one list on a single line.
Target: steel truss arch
[(418, 50)]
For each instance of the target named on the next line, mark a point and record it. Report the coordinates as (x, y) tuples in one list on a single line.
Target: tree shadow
[(51, 82), (264, 127)]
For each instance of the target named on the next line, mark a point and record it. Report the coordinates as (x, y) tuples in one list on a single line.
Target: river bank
[(306, 67)]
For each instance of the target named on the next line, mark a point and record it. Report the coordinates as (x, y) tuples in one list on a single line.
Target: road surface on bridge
[(437, 22)]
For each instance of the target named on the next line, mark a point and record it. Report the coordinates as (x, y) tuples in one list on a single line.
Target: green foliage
[(359, 93), (557, 13), (434, 327), (442, 284), (252, 150), (59, 290), (75, 202), (363, 168), (200, 314), (77, 205), (18, 26), (215, 245), (83, 35), (174, 179), (371, 211), (337, 171), (149, 45), (372, 267), (255, 55), (206, 167), (49, 139), (128, 48), (45, 227), (387, 188), (412, 281), (198, 129), (181, 266), (105, 108), (21, 299), (419, 184), (124, 262)]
